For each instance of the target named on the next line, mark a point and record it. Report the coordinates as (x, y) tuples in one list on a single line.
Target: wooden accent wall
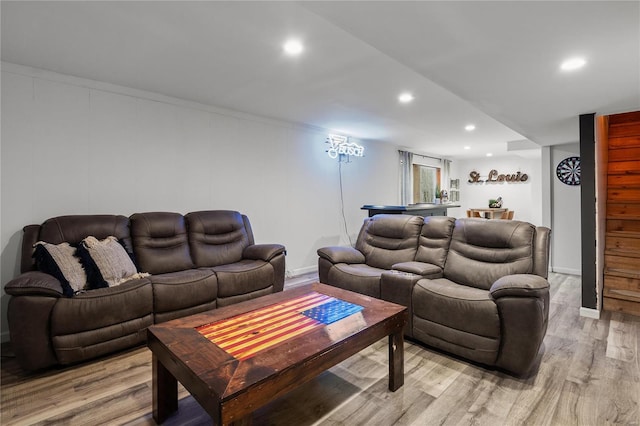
[(622, 243)]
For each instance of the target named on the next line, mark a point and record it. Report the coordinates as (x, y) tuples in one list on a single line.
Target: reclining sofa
[(196, 262), (473, 287)]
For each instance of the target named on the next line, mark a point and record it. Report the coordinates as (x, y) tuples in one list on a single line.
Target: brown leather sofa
[(476, 288), (197, 262)]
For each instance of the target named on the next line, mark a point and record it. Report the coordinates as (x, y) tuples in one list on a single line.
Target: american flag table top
[(245, 335)]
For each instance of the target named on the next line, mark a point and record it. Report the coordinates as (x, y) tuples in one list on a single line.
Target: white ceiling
[(494, 64)]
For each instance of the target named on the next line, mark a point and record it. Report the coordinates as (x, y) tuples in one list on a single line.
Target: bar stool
[(508, 215)]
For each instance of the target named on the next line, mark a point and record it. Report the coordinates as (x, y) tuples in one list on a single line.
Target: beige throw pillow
[(107, 262), (60, 260)]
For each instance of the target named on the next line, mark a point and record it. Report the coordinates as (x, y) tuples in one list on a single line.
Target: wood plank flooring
[(589, 374)]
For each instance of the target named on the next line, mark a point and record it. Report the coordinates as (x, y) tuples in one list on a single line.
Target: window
[(426, 180)]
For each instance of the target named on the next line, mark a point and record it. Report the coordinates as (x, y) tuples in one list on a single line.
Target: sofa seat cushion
[(232, 300), (103, 307), (245, 276), (460, 319), (361, 278), (178, 290)]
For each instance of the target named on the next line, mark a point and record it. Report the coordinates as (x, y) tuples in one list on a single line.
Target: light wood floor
[(589, 375)]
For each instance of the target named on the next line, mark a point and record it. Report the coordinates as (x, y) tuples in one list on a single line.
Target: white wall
[(73, 146), (525, 198), (565, 216)]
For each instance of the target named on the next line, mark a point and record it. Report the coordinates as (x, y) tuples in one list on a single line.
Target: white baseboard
[(569, 271), (590, 313), (302, 271)]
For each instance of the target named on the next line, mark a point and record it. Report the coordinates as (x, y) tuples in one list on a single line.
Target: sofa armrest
[(341, 255), (264, 252), (397, 287), (523, 304), (34, 283), (29, 319), (520, 285)]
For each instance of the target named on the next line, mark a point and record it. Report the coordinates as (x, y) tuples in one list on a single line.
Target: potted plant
[(495, 204), (437, 196)]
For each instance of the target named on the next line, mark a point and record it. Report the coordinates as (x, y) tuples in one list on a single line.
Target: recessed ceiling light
[(572, 64), (489, 154), (467, 147), (405, 97), (470, 127), (293, 47)]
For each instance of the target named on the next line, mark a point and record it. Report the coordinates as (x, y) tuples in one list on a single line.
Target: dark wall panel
[(588, 209)]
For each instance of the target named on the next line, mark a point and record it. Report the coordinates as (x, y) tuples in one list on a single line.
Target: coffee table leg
[(396, 361), (165, 392)]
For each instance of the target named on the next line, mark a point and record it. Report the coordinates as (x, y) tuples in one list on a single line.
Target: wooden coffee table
[(266, 355)]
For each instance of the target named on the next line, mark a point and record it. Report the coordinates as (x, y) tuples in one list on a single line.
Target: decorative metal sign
[(494, 176)]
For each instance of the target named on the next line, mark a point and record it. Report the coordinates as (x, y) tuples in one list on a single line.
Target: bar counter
[(425, 209)]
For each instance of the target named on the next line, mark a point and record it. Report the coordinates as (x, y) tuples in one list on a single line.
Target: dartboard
[(568, 171)]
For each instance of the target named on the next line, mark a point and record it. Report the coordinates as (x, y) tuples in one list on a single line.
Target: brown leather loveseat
[(476, 288), (196, 262)]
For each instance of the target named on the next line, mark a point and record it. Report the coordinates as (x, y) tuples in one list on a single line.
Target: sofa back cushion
[(434, 241), (386, 239), (73, 229), (218, 237), (160, 242), (482, 251)]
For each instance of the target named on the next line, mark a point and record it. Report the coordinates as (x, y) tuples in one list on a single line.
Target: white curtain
[(445, 168), (406, 181)]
